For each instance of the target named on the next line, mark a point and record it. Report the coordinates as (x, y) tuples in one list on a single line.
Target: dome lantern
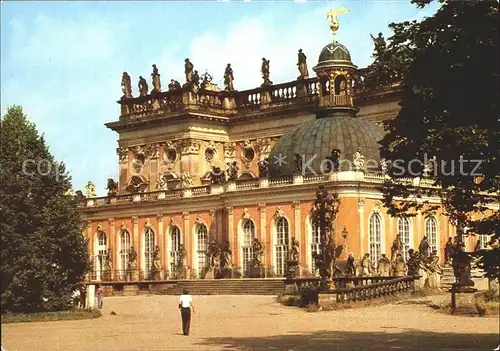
[(335, 70)]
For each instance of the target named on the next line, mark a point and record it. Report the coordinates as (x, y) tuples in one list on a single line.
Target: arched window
[(281, 244), (100, 254), (175, 247), (149, 249), (340, 85), (248, 235), (375, 237), (124, 249), (202, 239), (315, 240), (404, 234), (431, 232)]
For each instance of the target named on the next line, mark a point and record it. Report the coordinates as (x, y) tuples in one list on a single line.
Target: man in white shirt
[(186, 305)]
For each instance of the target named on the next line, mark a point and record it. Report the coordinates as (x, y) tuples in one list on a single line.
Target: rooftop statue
[(265, 72), (90, 189), (143, 86), (174, 85), (156, 80), (112, 187), (334, 22), (195, 79), (228, 78), (188, 70), (379, 43), (302, 63), (126, 86)]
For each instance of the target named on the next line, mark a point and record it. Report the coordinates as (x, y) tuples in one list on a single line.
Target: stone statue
[(112, 187), (187, 180), (132, 259), (333, 164), (232, 170), (358, 160), (161, 183), (143, 86), (379, 43), (217, 175), (302, 63), (79, 195), (332, 16), (174, 85), (228, 78), (264, 168), (156, 80), (413, 263), (90, 189), (350, 267), (462, 267), (448, 251), (108, 260), (68, 192), (366, 266), (294, 250), (126, 86), (136, 184), (214, 254), (265, 72), (399, 267), (397, 247), (226, 255), (257, 252), (182, 256), (383, 165), (188, 70), (384, 266), (424, 249), (195, 79)]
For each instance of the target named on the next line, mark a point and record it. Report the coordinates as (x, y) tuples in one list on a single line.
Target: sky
[(63, 61)]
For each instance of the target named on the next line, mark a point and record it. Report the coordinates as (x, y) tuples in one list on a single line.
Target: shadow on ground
[(393, 339)]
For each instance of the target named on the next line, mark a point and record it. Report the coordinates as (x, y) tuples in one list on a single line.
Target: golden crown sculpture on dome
[(334, 22)]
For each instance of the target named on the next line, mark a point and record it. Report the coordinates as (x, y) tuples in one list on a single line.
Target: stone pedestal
[(216, 189), (292, 269), (212, 273), (90, 303), (326, 300), (463, 300), (263, 183), (257, 272)]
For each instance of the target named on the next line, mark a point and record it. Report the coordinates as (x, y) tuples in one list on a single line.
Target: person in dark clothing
[(186, 307)]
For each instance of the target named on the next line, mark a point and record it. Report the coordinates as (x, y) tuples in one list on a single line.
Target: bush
[(289, 300), (308, 295), (51, 316), (312, 308)]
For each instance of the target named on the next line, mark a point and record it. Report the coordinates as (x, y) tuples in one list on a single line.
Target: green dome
[(334, 52), (319, 137)]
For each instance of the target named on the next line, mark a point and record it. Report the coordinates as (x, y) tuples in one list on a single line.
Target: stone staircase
[(227, 287)]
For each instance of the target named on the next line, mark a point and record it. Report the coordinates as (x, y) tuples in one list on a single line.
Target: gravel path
[(255, 323)]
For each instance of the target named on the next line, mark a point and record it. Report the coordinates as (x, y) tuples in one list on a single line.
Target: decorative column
[(114, 237), (161, 244), (297, 230), (231, 236), (90, 238), (135, 233), (264, 237), (363, 242), (187, 241)]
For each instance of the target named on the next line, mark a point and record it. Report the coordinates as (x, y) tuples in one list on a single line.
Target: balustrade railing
[(374, 290), (247, 183), (200, 190), (128, 275)]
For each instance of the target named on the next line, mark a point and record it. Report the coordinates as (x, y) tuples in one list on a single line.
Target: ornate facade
[(198, 163)]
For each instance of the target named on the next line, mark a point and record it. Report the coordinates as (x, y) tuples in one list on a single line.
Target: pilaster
[(161, 242), (231, 234), (135, 233), (297, 232), (114, 237), (263, 230), (363, 242), (187, 238)]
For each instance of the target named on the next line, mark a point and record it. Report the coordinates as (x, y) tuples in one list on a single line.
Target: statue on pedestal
[(226, 255), (112, 187), (294, 250), (350, 267), (174, 85), (384, 266), (228, 78), (156, 266), (257, 252), (397, 247), (367, 268), (195, 79), (448, 251), (132, 263), (90, 189), (380, 44), (302, 63), (358, 160), (434, 270), (188, 70), (462, 268), (333, 164), (424, 249), (126, 86), (156, 80), (264, 168), (217, 175), (399, 267), (143, 86), (413, 263), (265, 72)]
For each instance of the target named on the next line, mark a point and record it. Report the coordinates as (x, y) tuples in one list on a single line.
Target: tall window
[(248, 236), (100, 256), (281, 245), (431, 232), (404, 233), (124, 248), (375, 237), (149, 249), (315, 240), (175, 247), (484, 239), (202, 236)]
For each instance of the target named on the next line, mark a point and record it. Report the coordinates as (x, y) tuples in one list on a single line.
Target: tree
[(43, 252), (449, 115)]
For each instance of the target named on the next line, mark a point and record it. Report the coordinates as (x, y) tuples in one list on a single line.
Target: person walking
[(186, 306), (100, 297)]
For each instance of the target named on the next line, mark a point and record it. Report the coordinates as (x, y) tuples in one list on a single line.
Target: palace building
[(198, 162)]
